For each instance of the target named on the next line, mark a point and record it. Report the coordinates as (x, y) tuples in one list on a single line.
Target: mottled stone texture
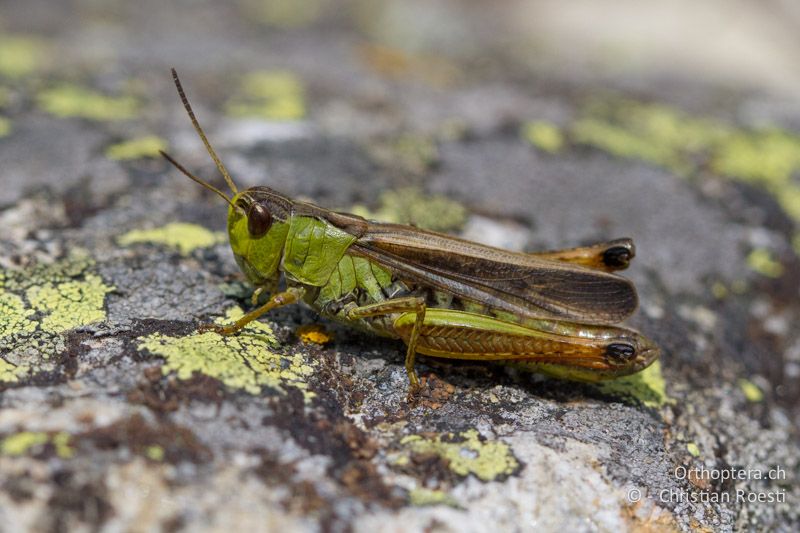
[(116, 414)]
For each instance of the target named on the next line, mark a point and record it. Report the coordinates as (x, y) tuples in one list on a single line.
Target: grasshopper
[(444, 297)]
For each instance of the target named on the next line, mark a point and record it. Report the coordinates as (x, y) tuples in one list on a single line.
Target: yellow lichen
[(421, 497), (719, 290), (399, 459), (66, 100), (5, 126), (10, 373), (20, 443), (269, 95), (14, 316), (651, 132), (154, 453), (148, 146), (242, 361), (693, 449), (467, 453), (38, 304), (179, 235), (61, 443), (543, 135), (620, 142), (766, 158), (750, 391), (286, 13), (20, 55), (761, 261), (69, 304), (647, 387), (412, 206)]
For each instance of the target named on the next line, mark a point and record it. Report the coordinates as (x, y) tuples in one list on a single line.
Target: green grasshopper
[(443, 296)]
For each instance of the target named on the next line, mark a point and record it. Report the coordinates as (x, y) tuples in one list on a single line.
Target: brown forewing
[(510, 281)]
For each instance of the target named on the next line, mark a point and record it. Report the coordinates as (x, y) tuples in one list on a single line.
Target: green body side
[(316, 254), (355, 281), (312, 253), (313, 249)]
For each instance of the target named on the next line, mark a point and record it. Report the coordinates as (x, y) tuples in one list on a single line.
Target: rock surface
[(116, 414)]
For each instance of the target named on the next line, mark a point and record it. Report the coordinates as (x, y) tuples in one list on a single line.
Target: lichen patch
[(543, 135), (269, 95), (411, 205), (69, 304), (38, 305), (647, 387), (21, 55), (466, 453), (68, 100), (244, 361), (180, 236), (137, 148), (14, 315), (766, 158)]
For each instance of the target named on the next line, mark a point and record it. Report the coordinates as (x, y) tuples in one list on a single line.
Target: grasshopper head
[(257, 218), (258, 222)]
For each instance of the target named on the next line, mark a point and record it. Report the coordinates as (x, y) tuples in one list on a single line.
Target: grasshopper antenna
[(198, 180), (202, 135)]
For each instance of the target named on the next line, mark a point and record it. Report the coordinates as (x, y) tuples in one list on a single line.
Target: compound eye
[(259, 220), (620, 352)]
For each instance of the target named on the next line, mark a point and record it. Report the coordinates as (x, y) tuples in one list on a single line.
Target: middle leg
[(412, 305)]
